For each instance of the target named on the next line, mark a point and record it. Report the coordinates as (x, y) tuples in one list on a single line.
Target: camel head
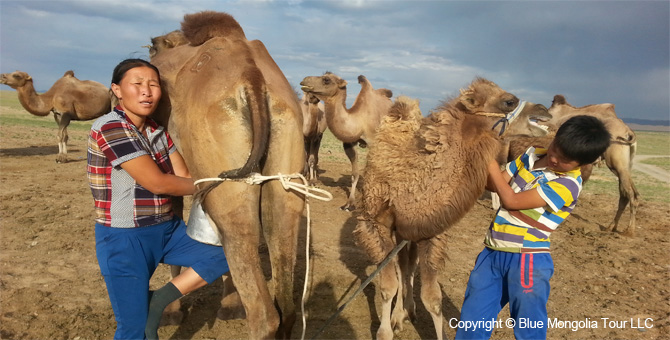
[(323, 87), (484, 97), (163, 42), (15, 79)]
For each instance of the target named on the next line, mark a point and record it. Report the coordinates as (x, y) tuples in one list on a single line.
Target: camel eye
[(326, 81)]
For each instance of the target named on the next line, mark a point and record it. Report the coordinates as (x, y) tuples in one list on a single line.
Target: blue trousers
[(498, 278), (129, 257)]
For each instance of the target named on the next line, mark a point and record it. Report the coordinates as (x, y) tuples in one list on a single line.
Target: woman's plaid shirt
[(120, 202)]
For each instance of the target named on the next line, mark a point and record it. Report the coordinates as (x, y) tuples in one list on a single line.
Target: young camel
[(422, 176), (68, 99), (352, 126), (313, 126), (618, 157)]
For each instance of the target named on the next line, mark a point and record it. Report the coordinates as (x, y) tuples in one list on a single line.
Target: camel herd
[(232, 113)]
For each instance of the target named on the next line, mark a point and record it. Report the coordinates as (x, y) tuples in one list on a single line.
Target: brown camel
[(618, 157), (232, 112), (68, 99), (422, 176), (352, 126), (313, 126)]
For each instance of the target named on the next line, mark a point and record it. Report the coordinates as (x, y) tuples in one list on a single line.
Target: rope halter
[(510, 117)]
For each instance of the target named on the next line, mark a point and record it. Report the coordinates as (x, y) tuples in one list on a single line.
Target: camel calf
[(422, 176)]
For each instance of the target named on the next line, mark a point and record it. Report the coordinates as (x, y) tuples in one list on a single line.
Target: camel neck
[(31, 101)]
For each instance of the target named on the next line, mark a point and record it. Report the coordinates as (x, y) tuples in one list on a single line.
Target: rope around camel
[(305, 189)]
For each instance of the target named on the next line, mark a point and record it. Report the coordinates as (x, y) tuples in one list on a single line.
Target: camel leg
[(431, 294), (239, 226), (405, 307), (619, 161), (231, 304), (63, 120), (281, 212), (389, 278), (350, 151)]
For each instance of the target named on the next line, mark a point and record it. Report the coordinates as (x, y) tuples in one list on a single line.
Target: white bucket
[(200, 227)]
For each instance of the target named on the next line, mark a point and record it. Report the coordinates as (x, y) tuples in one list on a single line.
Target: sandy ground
[(605, 285)]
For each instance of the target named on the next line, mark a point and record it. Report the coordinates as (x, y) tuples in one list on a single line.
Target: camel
[(352, 126), (422, 176), (231, 112), (314, 124), (68, 99), (618, 157)]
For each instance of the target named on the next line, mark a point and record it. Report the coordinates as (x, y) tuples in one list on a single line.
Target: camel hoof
[(628, 233), (348, 207), (61, 159), (231, 314)]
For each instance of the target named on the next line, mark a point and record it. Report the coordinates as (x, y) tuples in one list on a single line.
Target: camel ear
[(468, 101), (342, 83)]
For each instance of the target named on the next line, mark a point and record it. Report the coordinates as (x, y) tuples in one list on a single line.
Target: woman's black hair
[(582, 139), (123, 67)]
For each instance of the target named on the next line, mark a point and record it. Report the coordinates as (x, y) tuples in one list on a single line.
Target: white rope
[(256, 178), (303, 188)]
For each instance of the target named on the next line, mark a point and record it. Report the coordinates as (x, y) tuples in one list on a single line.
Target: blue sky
[(590, 51)]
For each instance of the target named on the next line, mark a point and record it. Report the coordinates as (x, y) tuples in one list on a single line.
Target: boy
[(515, 266)]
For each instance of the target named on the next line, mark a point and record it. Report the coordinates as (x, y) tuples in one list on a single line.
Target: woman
[(133, 169)]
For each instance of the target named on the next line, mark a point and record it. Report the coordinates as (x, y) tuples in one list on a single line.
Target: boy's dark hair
[(582, 139), (123, 67)]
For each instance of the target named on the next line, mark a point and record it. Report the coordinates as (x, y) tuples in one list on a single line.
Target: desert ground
[(605, 286)]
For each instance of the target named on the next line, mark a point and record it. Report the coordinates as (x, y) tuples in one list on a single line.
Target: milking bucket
[(200, 227)]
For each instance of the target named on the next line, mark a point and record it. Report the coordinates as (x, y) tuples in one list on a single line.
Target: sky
[(591, 52)]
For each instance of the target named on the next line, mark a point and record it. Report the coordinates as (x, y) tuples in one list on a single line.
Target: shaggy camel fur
[(231, 108), (68, 99), (422, 176), (313, 126), (352, 126), (618, 157)]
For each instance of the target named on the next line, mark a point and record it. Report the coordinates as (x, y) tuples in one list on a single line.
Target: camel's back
[(88, 99)]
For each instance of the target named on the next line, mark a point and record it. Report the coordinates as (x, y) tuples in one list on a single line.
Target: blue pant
[(498, 278), (129, 257)]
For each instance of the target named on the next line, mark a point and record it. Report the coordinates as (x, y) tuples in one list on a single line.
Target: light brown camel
[(231, 109), (618, 157), (422, 176), (352, 126), (68, 99), (313, 126)]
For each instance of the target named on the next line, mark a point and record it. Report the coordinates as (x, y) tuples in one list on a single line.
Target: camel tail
[(202, 26), (257, 108)]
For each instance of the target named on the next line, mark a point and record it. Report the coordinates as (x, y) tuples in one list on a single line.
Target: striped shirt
[(120, 202), (528, 231)]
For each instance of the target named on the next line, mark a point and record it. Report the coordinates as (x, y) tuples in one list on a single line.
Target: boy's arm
[(510, 200)]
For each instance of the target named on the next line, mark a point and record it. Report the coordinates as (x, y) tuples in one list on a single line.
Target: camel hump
[(559, 99), (202, 26), (69, 73), (385, 92), (404, 108), (362, 79)]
